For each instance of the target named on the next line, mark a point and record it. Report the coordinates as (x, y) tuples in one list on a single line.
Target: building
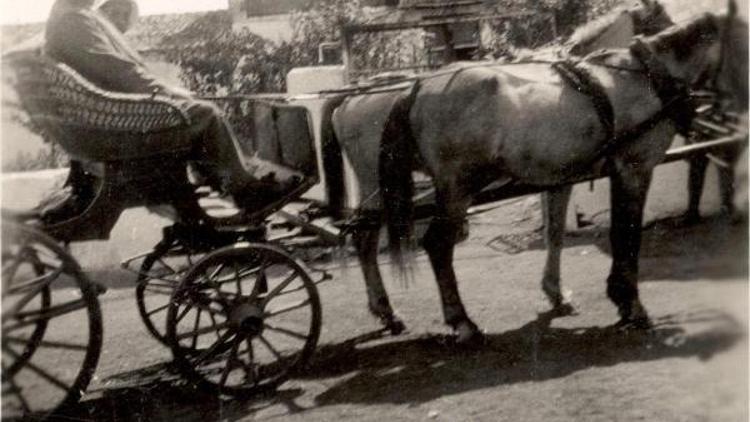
[(271, 18)]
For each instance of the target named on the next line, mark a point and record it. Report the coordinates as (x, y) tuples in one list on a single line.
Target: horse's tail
[(333, 161), (397, 154)]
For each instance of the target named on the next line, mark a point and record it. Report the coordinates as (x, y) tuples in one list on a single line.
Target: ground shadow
[(713, 248), (429, 367), (158, 393), (423, 368)]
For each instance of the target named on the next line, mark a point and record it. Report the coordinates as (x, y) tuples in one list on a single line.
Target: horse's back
[(518, 119)]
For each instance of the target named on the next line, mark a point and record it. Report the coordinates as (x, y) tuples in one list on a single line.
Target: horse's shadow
[(713, 248), (422, 369)]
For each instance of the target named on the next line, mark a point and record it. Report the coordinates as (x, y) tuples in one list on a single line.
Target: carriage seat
[(89, 123)]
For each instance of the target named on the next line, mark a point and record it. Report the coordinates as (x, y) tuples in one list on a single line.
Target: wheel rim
[(244, 319), (51, 325), (160, 273)]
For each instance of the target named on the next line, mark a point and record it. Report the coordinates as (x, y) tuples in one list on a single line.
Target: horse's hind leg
[(439, 242), (366, 242), (628, 195), (554, 206)]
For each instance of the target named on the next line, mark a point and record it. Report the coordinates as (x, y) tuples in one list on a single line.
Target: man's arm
[(77, 40)]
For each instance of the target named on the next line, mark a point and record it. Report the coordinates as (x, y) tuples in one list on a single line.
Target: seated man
[(80, 36)]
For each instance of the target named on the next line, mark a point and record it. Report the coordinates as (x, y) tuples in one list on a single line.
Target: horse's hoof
[(468, 335), (634, 324), (563, 310), (691, 219), (395, 326)]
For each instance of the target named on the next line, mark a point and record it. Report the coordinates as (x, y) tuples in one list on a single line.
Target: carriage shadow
[(429, 367), (158, 393), (714, 248)]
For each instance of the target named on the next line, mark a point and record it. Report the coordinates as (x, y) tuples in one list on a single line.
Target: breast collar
[(673, 94), (585, 83)]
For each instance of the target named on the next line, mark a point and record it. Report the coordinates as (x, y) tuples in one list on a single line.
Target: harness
[(676, 101)]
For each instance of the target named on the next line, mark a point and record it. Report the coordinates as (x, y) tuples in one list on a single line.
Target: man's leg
[(252, 181)]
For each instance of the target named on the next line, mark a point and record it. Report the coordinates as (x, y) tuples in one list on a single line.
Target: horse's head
[(708, 50), (616, 29), (649, 17)]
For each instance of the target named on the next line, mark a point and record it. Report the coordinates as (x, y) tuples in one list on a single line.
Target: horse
[(471, 125), (615, 29)]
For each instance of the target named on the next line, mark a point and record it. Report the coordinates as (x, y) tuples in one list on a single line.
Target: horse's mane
[(682, 38), (594, 29)]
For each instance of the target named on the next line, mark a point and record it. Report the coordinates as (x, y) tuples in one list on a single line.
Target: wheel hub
[(247, 317)]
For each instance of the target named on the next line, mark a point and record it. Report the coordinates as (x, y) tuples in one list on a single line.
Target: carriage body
[(113, 138), (120, 140)]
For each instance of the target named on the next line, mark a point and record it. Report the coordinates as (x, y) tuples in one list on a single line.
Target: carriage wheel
[(159, 275), (244, 319), (51, 325)]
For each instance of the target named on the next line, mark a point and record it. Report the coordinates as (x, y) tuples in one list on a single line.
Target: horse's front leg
[(554, 206), (366, 243), (439, 241), (726, 186), (696, 179), (628, 195)]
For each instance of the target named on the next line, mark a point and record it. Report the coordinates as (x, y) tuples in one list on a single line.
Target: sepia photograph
[(374, 210)]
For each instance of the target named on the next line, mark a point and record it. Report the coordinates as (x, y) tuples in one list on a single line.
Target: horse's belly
[(550, 138)]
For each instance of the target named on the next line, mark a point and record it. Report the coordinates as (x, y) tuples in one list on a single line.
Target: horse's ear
[(647, 3), (732, 9)]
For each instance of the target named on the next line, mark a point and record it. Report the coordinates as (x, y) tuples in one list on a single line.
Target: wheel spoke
[(10, 267), (212, 278), (278, 289), (261, 284), (41, 372), (12, 313), (270, 348), (299, 305), (213, 321), (15, 389), (211, 350), (251, 371), (230, 362), (286, 331), (158, 309), (195, 328), (42, 315), (36, 282), (237, 277), (203, 330), (45, 343), (183, 313)]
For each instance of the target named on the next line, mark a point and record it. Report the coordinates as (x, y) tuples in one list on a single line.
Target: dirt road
[(692, 367)]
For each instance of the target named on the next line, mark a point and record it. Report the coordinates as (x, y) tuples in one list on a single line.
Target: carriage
[(239, 312)]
